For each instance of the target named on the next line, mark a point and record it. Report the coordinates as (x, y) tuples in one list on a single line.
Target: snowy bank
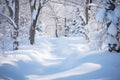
[(59, 59)]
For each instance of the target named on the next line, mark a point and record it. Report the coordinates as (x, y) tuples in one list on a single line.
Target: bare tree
[(35, 10)]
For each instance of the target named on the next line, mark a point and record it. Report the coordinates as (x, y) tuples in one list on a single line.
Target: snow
[(11, 6), (34, 13), (9, 19), (112, 40), (1, 35), (41, 2), (112, 30), (117, 11), (100, 15), (93, 5), (2, 7), (111, 17), (82, 69), (32, 2), (59, 59)]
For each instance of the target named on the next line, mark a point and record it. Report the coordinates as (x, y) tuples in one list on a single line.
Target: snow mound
[(100, 15), (82, 69), (111, 17), (59, 59), (112, 30)]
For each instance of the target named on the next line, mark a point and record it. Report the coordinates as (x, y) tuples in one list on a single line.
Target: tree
[(109, 14), (86, 11), (35, 10), (14, 15), (87, 8), (76, 25)]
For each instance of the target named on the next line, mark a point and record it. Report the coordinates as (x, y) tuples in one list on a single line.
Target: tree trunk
[(15, 17), (86, 11), (15, 34), (34, 21), (32, 31), (56, 24)]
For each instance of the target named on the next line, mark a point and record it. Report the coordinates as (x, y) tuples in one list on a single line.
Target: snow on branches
[(110, 14)]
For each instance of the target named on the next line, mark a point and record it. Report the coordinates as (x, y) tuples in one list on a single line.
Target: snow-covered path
[(59, 59)]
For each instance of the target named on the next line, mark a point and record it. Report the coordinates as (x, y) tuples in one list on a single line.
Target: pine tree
[(109, 14), (76, 25)]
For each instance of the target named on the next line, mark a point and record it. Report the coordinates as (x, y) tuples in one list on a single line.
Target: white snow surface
[(59, 59)]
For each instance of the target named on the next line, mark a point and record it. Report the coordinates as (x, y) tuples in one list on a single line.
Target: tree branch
[(11, 21)]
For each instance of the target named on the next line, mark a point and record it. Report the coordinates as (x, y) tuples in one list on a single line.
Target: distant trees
[(76, 26), (66, 18), (35, 8)]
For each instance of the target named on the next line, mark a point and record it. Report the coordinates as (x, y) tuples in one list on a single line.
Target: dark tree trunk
[(86, 11), (66, 31), (87, 8), (34, 21), (56, 24)]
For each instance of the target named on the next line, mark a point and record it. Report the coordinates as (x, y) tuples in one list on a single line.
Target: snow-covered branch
[(11, 7), (10, 4), (9, 19), (94, 5)]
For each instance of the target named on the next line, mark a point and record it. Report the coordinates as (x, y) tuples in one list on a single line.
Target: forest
[(59, 39)]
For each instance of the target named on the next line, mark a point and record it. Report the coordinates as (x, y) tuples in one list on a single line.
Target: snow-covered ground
[(59, 59)]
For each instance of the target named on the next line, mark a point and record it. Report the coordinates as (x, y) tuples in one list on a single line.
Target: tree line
[(83, 13)]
